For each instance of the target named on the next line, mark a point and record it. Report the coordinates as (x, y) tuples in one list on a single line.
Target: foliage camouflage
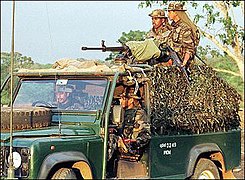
[(208, 104)]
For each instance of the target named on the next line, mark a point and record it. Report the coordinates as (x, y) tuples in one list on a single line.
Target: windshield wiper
[(47, 106)]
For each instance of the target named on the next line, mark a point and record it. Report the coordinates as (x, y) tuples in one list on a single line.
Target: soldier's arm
[(124, 101), (187, 56), (188, 45)]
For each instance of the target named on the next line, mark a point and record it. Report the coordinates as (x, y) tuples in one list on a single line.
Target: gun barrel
[(92, 48), (104, 48)]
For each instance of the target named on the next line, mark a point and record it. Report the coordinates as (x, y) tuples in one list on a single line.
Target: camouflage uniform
[(161, 34), (181, 39)]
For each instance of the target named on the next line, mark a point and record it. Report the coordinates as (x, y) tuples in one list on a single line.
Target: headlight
[(16, 159), (21, 161)]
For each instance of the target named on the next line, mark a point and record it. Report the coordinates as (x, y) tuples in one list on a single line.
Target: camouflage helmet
[(176, 6), (158, 13), (67, 89)]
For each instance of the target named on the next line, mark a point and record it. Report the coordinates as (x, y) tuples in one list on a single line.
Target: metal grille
[(20, 172), (1, 161), (3, 169)]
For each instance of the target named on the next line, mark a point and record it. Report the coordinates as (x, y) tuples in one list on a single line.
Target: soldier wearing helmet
[(64, 100), (184, 34), (161, 27)]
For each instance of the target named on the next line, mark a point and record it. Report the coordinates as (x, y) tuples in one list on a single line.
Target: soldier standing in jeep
[(161, 27), (129, 100), (184, 35)]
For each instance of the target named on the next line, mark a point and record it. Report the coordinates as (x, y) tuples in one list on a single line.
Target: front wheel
[(64, 173), (206, 169)]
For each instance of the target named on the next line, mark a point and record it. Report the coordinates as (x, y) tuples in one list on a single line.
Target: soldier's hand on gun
[(184, 63), (186, 58)]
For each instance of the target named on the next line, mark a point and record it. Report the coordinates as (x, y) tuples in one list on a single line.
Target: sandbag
[(144, 50)]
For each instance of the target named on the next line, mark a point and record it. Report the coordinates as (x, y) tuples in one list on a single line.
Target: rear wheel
[(206, 169), (64, 173)]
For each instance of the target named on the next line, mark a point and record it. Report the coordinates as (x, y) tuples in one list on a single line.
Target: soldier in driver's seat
[(64, 100)]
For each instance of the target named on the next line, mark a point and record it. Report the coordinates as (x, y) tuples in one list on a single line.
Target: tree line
[(20, 61)]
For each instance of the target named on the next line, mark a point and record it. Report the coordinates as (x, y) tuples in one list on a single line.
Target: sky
[(48, 31)]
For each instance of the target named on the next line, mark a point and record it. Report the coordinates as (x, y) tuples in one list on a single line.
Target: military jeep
[(99, 138)]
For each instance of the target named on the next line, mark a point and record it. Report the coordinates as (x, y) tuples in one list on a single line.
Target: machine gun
[(103, 48), (171, 54)]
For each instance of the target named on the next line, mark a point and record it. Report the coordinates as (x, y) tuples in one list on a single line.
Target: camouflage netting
[(208, 104)]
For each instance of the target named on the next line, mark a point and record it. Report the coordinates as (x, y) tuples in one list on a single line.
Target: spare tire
[(25, 118)]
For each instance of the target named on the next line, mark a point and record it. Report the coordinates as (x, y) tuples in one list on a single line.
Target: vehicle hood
[(66, 130)]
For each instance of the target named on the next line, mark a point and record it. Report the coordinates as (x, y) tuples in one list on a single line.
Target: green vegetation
[(132, 36), (20, 61)]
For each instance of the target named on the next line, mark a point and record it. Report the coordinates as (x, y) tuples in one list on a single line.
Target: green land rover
[(95, 137)]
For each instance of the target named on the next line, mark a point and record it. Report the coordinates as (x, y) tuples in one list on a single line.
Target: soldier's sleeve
[(163, 37), (187, 40)]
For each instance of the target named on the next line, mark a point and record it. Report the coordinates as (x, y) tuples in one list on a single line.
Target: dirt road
[(240, 174)]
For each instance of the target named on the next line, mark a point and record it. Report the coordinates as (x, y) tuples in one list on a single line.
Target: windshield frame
[(64, 111)]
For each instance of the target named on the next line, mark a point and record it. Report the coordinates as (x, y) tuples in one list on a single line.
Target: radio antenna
[(11, 163)]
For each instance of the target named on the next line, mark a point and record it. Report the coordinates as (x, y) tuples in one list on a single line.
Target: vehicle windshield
[(62, 94)]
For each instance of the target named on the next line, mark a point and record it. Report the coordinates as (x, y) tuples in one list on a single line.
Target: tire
[(206, 169), (64, 173)]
